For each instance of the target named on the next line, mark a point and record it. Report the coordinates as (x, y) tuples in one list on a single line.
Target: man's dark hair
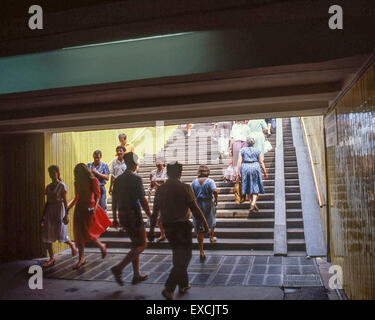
[(174, 169), (130, 159), (97, 153), (121, 147)]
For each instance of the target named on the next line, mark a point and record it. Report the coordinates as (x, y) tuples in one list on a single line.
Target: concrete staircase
[(294, 219), (233, 229)]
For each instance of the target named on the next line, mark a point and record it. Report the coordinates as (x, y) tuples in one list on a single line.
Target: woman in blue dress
[(249, 167), (205, 190)]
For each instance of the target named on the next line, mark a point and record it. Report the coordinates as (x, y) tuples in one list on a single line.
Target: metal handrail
[(312, 164)]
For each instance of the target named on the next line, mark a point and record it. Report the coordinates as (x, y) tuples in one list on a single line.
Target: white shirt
[(240, 131), (159, 175), (117, 167)]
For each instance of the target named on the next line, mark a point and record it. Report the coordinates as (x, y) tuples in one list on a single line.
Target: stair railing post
[(280, 246)]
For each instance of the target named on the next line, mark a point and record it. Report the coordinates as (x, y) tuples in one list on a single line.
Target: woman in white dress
[(257, 130), (55, 216), (157, 178)]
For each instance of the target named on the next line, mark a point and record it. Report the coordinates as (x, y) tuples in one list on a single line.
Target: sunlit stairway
[(294, 221), (233, 230)]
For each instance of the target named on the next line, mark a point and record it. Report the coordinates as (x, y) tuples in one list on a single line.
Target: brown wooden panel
[(351, 173), (22, 180)]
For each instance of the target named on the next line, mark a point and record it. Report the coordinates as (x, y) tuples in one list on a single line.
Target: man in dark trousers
[(174, 199), (130, 195)]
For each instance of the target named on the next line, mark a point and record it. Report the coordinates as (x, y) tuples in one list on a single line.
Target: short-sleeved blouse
[(250, 154), (204, 190)]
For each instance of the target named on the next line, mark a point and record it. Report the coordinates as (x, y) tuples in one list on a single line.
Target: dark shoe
[(118, 275), (139, 278), (184, 289), (167, 295), (202, 258)]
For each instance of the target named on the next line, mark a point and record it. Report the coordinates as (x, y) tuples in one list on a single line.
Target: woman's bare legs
[(212, 234), (50, 250), (162, 233), (102, 246), (253, 201), (51, 260), (81, 256), (250, 197), (200, 238), (73, 247)]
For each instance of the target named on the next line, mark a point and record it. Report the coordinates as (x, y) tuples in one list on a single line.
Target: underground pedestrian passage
[(319, 198)]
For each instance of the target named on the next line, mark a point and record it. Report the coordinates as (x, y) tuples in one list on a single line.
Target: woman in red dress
[(90, 220)]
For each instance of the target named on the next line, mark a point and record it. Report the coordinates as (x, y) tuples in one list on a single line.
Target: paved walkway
[(220, 277), (214, 271)]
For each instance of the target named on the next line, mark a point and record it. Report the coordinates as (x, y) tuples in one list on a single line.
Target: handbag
[(238, 196), (229, 174), (267, 146)]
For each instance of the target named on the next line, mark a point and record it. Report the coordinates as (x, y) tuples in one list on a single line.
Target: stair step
[(222, 244), (230, 197), (295, 233), (292, 182), (243, 213), (222, 233), (242, 223), (215, 173), (261, 204), (293, 213), (294, 223), (219, 184), (227, 191), (296, 245)]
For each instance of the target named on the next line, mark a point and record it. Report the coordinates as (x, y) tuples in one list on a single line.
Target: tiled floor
[(215, 271)]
